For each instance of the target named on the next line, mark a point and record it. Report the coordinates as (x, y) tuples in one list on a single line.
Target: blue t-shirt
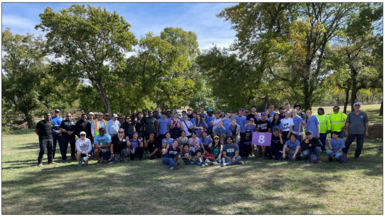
[(272, 114), (208, 120), (135, 144), (163, 123), (192, 120), (219, 131), (171, 153), (233, 129), (241, 121), (280, 126), (226, 123), (102, 140), (168, 142), (56, 121), (198, 131), (297, 120), (230, 149), (311, 124), (337, 144), (252, 128), (292, 146), (205, 142)]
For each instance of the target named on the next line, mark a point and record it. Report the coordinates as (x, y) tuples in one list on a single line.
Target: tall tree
[(90, 42)]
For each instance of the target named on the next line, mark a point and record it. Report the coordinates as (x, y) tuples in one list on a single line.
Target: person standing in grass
[(164, 126), (323, 123), (336, 145), (297, 127), (241, 120), (291, 146), (276, 143), (119, 147), (230, 152), (287, 124), (152, 147), (102, 145), (56, 133), (83, 147), (175, 125), (170, 157), (311, 123), (44, 131), (186, 126), (67, 127)]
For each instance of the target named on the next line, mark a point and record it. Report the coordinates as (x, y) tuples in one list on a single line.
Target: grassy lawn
[(260, 186)]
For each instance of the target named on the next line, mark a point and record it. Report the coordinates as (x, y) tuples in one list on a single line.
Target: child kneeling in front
[(169, 154), (336, 145), (208, 156), (186, 155), (198, 159)]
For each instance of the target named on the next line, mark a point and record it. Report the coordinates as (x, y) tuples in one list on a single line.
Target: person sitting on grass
[(205, 141), (217, 149), (276, 143), (247, 148), (208, 156), (102, 144), (198, 159), (136, 147), (119, 147), (291, 146), (336, 145), (311, 144), (167, 140), (83, 147), (170, 152), (230, 152), (151, 147), (194, 142), (186, 155)]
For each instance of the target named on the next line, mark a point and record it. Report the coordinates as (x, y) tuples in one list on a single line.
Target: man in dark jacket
[(311, 145), (83, 125), (67, 127)]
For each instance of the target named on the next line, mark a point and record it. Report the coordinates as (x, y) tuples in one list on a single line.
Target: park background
[(82, 58)]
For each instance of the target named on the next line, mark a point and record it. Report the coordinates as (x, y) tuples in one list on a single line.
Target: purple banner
[(263, 139)]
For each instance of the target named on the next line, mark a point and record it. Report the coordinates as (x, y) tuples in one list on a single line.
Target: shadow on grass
[(19, 132)]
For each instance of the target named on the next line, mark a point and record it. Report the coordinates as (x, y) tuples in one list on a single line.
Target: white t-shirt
[(83, 145), (286, 123), (215, 122), (189, 124)]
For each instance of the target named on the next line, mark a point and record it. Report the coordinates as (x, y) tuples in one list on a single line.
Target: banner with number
[(263, 139)]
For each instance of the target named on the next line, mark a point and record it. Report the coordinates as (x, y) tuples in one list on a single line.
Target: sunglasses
[(68, 116), (82, 135), (216, 138), (120, 132)]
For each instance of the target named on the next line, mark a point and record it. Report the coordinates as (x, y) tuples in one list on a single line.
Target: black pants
[(272, 150), (155, 155), (138, 151), (71, 140), (245, 150), (284, 136), (45, 144), (57, 138)]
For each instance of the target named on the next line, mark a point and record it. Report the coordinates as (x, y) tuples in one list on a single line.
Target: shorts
[(292, 151), (83, 155), (106, 155)]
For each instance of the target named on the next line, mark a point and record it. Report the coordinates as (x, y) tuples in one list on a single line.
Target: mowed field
[(260, 186)]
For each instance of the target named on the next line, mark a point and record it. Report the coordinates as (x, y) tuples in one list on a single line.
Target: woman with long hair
[(199, 125), (175, 125)]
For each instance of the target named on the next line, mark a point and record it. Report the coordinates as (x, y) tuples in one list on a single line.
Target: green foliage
[(202, 97)]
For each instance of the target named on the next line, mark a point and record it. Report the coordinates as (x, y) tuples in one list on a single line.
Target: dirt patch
[(376, 130)]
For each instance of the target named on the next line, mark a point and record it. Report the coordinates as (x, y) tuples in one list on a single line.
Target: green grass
[(260, 186)]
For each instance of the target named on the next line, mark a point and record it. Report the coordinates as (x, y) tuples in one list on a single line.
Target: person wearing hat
[(337, 121), (44, 131), (357, 126), (56, 134), (67, 127), (263, 126), (246, 148), (297, 107), (113, 126), (102, 145), (83, 125), (281, 113), (97, 124), (245, 113), (241, 121), (107, 117), (324, 122), (208, 119), (83, 147)]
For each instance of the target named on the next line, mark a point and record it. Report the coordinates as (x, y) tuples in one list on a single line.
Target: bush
[(5, 129)]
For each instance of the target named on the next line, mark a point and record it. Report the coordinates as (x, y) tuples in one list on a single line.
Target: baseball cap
[(106, 114), (251, 119), (210, 110), (263, 113), (228, 114), (57, 110), (357, 103), (121, 116), (91, 113), (134, 133), (82, 133), (101, 129), (241, 109), (115, 115), (248, 131), (246, 111), (231, 112), (216, 137)]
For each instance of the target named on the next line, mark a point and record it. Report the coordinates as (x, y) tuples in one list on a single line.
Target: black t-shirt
[(190, 116), (139, 126), (276, 143), (45, 129), (245, 142), (83, 126), (187, 155), (251, 116), (152, 146), (264, 126), (118, 145), (68, 125)]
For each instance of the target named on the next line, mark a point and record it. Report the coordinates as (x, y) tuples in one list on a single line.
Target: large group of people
[(204, 138)]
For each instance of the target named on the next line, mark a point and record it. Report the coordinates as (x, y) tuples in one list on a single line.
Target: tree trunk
[(354, 88), (267, 102), (381, 112), (307, 96), (103, 96), (29, 119), (346, 97)]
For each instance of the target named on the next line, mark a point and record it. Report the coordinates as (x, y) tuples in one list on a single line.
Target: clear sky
[(143, 17)]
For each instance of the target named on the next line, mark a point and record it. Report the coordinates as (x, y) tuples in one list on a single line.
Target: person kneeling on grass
[(152, 147), (311, 144), (291, 146), (186, 155), (336, 145), (247, 148), (231, 152), (208, 156), (83, 147), (135, 145), (198, 159), (119, 147), (102, 145), (170, 152)]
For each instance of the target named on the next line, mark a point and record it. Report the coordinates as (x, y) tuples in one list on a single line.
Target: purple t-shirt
[(172, 152), (134, 144)]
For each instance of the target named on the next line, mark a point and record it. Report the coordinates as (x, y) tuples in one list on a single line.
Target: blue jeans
[(271, 149), (323, 140), (360, 142), (341, 135), (237, 159), (330, 152), (197, 163), (59, 139), (316, 150), (167, 161)]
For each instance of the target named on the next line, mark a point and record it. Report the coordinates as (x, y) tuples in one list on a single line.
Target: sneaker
[(203, 165), (98, 163), (211, 163), (241, 162), (112, 162), (225, 164), (206, 164), (40, 165), (301, 155), (330, 159), (172, 168), (79, 165), (216, 164)]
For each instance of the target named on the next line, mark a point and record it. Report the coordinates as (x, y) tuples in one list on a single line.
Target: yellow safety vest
[(337, 121), (323, 123), (96, 123)]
